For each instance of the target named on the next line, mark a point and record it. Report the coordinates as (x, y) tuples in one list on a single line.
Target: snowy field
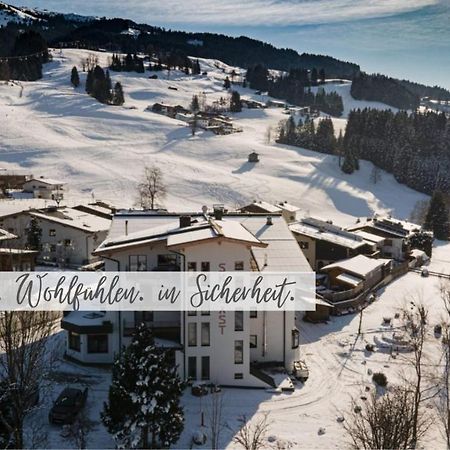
[(51, 129)]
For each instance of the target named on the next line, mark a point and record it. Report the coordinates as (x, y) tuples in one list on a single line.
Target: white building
[(224, 348), (69, 236), (45, 188)]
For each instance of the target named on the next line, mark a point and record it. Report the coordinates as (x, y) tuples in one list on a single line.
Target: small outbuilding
[(253, 157)]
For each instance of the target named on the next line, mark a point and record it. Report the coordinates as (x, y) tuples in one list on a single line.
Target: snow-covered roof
[(264, 206), (13, 207), (5, 235), (324, 231), (49, 181), (288, 207), (389, 225), (370, 237), (200, 229), (73, 218), (359, 265), (349, 279)]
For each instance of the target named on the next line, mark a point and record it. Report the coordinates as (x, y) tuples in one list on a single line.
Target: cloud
[(236, 12)]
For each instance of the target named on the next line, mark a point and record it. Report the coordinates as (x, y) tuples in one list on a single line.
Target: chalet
[(45, 188), (13, 180), (69, 236), (395, 233), (323, 243), (14, 259), (252, 104), (228, 350), (168, 110), (261, 207), (359, 272)]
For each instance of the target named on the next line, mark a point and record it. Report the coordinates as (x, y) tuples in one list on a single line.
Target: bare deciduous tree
[(251, 436), (23, 363), (444, 383), (152, 187), (79, 431), (386, 422), (214, 415), (415, 323)]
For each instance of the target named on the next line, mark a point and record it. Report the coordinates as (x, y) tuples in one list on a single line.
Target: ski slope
[(49, 128)]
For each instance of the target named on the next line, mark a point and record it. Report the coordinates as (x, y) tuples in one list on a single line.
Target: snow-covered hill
[(9, 13), (51, 129)]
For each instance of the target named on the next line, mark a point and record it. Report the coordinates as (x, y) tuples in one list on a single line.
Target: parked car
[(424, 272), (67, 406), (199, 390)]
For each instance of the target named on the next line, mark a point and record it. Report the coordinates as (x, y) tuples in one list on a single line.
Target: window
[(52, 232), (295, 338), (238, 376), (192, 367), (147, 316), (304, 245), (239, 265), (205, 367), (167, 260), (205, 334), (52, 248), (138, 263), (239, 321), (74, 341), (67, 242), (97, 343), (206, 313), (192, 313), (192, 334), (253, 341), (388, 242), (205, 266), (192, 266), (253, 314), (239, 352)]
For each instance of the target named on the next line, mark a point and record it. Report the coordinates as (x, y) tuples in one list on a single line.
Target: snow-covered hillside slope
[(51, 129), (10, 13)]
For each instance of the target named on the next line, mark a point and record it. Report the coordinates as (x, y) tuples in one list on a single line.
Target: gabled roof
[(6, 236), (264, 206), (359, 265), (49, 181), (73, 218)]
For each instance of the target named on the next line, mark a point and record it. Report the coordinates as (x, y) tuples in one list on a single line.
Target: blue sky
[(402, 38)]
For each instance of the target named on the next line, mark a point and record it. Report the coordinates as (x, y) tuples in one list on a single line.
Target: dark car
[(67, 406)]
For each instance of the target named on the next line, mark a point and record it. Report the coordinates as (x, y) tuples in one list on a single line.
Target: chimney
[(185, 221), (126, 227), (218, 212), (269, 220)]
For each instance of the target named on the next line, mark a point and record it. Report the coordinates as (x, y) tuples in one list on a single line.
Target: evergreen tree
[(90, 82), (74, 77), (422, 241), (235, 102), (226, 83), (195, 105), (437, 218), (118, 97), (325, 140), (34, 235), (144, 397), (348, 166)]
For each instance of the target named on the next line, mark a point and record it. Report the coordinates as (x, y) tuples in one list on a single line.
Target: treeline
[(238, 51), (384, 89), (127, 63), (23, 56), (415, 147), (306, 134), (99, 86)]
